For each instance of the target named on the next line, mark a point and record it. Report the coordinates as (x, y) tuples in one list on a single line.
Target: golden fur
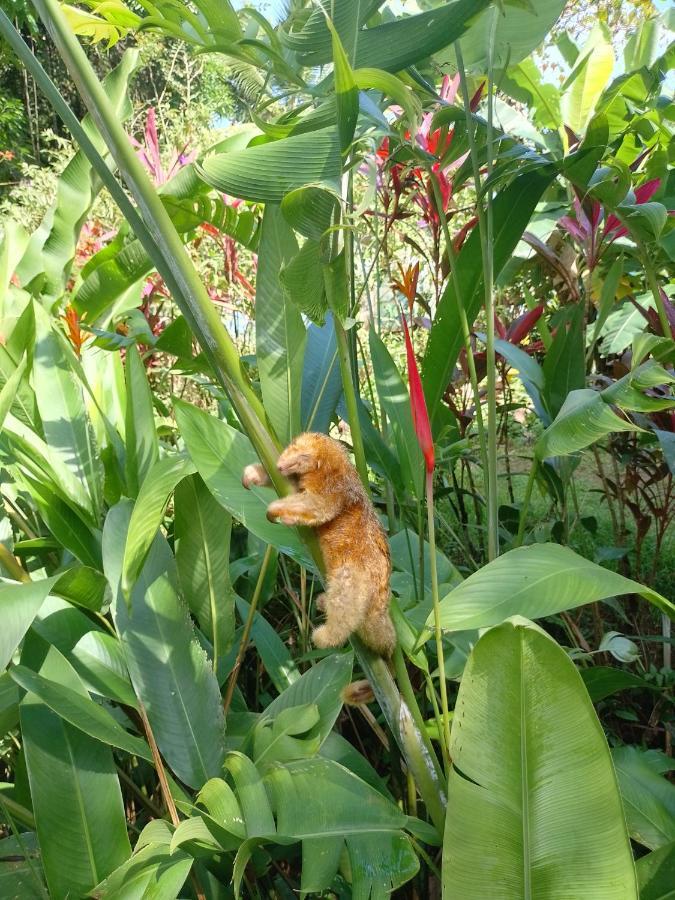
[(331, 499)]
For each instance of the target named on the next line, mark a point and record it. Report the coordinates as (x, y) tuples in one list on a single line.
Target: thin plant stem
[(159, 767), (485, 224), (464, 323), (243, 644), (13, 566), (445, 737), (526, 503)]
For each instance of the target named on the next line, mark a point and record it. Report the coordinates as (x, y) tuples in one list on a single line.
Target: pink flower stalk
[(418, 404)]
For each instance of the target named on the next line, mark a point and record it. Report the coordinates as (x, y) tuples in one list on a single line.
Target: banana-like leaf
[(65, 424), (393, 87), (346, 91), (535, 581), (80, 710), (380, 863), (588, 79), (20, 871), (76, 796), (142, 447), (9, 704), (170, 672), (98, 659), (148, 512), (221, 454), (519, 779), (521, 27), (394, 45), (648, 797), (523, 82), (321, 382), (302, 282), (512, 209), (656, 873), (564, 364), (280, 332), (274, 654), (48, 258), (264, 173), (153, 871), (583, 419), (19, 604), (321, 686), (202, 534), (83, 586)]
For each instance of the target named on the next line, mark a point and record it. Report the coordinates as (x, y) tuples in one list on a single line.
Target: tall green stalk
[(160, 239), (485, 224)]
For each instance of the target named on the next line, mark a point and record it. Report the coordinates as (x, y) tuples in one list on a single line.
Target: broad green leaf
[(280, 332), (287, 736), (148, 512), (252, 796), (19, 604), (10, 389), (311, 210), (12, 245), (535, 581), (153, 871), (60, 400), (83, 586), (642, 46), (380, 863), (218, 798), (603, 681), (221, 455), (319, 798), (521, 27), (346, 91), (404, 41), (530, 374), (648, 797), (202, 533), (266, 172), (142, 451), (49, 255), (519, 779), (588, 79), (322, 686), (302, 281), (392, 87), (76, 796), (98, 659), (583, 419), (273, 652), (564, 364), (524, 83), (170, 672), (9, 704), (80, 710), (321, 382), (395, 401), (512, 209), (320, 861), (20, 869), (656, 874)]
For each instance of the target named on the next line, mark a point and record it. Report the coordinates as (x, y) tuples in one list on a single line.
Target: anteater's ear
[(296, 462)]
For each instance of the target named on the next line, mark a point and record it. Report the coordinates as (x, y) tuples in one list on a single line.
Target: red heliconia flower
[(477, 97), (418, 404), (408, 283), (75, 334), (460, 237)]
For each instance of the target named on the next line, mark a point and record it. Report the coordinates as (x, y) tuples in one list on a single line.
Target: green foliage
[(158, 677)]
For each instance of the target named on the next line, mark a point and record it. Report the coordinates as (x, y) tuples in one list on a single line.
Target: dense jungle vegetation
[(443, 234)]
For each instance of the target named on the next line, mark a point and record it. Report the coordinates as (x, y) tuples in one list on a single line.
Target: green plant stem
[(243, 644), (183, 279), (350, 400), (485, 225), (654, 288), (466, 333), (445, 737), (526, 503)]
